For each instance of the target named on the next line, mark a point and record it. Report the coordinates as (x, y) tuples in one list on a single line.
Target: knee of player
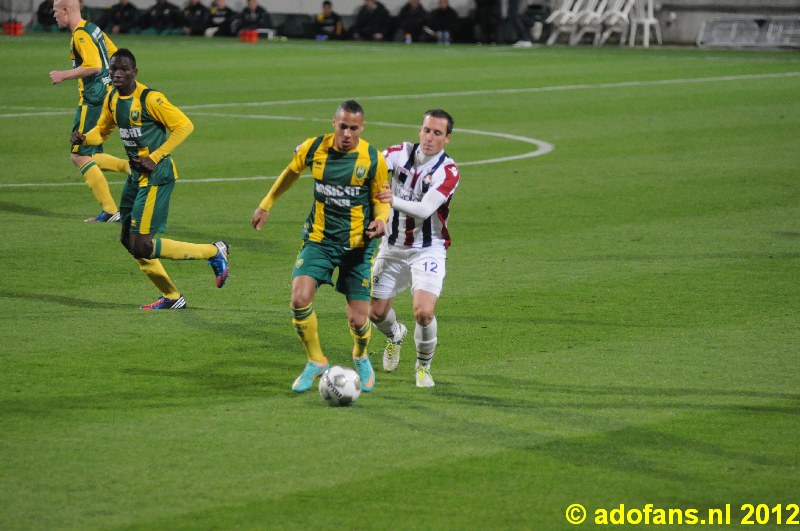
[(142, 249), (124, 240), (376, 315), (423, 316), (300, 300), (80, 160)]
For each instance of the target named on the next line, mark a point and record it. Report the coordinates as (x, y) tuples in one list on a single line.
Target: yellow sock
[(175, 250), (99, 186), (109, 162), (158, 276), (361, 339), (305, 322)]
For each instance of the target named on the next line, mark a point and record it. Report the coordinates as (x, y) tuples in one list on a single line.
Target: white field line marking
[(542, 147), (464, 93)]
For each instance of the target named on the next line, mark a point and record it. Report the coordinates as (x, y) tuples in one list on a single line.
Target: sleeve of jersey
[(433, 198), (423, 209), (451, 179), (179, 125), (110, 46), (390, 154), (284, 182), (289, 175), (298, 163), (380, 210), (87, 50), (105, 124)]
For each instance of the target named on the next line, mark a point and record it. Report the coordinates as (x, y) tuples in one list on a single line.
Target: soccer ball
[(340, 386)]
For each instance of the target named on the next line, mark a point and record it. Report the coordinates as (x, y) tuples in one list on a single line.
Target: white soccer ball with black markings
[(340, 386)]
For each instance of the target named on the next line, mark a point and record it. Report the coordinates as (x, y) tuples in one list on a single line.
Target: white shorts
[(397, 268)]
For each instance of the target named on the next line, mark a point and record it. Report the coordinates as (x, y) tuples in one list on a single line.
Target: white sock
[(389, 326), (426, 338)]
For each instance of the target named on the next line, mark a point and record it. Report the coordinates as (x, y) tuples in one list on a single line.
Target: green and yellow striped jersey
[(143, 119), (345, 188), (91, 48)]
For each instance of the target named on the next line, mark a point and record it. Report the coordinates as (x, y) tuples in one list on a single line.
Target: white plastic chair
[(590, 21), (643, 16), (565, 19), (616, 20), (557, 16)]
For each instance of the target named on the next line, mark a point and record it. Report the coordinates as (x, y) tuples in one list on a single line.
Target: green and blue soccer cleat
[(365, 372), (311, 372)]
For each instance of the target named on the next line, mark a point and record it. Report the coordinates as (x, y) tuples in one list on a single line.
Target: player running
[(424, 179), (143, 117), (340, 233), (90, 51)]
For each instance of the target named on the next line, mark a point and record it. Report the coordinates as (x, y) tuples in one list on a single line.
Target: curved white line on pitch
[(542, 147)]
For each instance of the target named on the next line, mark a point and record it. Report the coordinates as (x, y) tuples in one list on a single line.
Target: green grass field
[(619, 323)]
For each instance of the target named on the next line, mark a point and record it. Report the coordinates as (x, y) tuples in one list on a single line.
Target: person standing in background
[(515, 18)]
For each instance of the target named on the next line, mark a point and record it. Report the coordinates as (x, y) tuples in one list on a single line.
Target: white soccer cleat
[(391, 354), (424, 378)]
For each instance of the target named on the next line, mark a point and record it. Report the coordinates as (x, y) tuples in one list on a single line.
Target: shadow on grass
[(590, 397), (59, 299), (15, 208), (534, 481)]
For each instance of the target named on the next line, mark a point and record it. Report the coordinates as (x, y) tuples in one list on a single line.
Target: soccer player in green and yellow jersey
[(90, 51), (340, 232), (143, 117)]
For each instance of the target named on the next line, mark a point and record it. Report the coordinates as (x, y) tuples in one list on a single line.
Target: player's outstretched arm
[(57, 76), (423, 209), (284, 182)]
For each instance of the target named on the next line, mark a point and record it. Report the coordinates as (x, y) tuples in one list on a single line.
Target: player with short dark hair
[(414, 251), (144, 116), (339, 233)]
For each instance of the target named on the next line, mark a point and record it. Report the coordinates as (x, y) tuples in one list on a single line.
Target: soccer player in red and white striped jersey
[(414, 249)]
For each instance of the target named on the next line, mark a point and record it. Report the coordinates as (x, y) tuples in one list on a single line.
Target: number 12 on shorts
[(430, 267)]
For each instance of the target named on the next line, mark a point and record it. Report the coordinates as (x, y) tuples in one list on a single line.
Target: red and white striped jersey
[(420, 179)]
